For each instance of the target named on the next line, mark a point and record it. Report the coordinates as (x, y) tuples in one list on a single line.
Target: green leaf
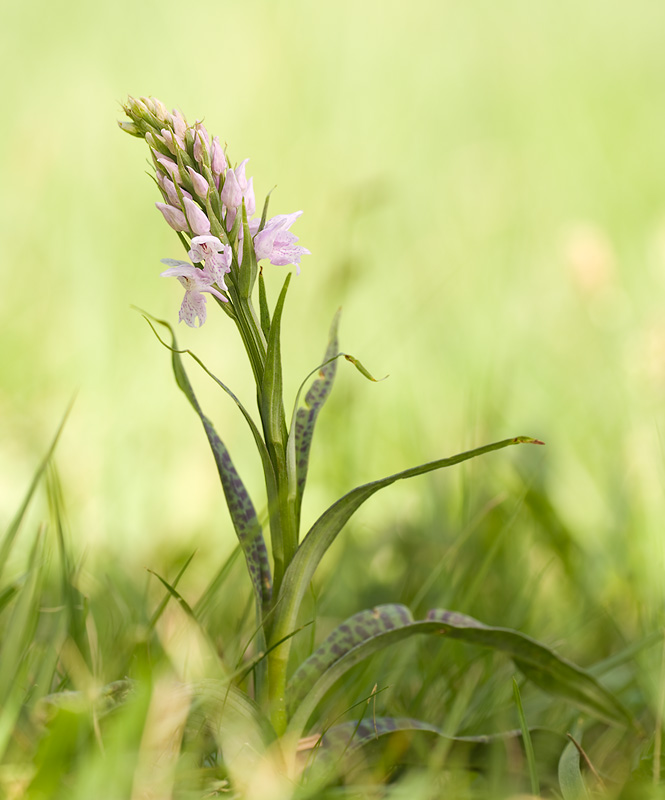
[(306, 415), (14, 526), (272, 408), (175, 594), (363, 630), (264, 311), (538, 663), (236, 723), (248, 268), (160, 608), (324, 531), (571, 781), (373, 629), (526, 738), (242, 511), (351, 736)]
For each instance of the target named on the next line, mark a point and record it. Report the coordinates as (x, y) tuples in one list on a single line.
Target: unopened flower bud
[(199, 182), (130, 128), (231, 193), (159, 109), (169, 188), (171, 168), (198, 222), (200, 147), (218, 159), (179, 124), (169, 140), (250, 199), (240, 175), (173, 216)]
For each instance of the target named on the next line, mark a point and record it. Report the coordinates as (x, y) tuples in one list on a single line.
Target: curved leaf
[(360, 629), (550, 672), (571, 781), (324, 531), (369, 631), (242, 511)]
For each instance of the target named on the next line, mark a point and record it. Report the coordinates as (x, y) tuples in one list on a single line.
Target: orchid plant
[(210, 204)]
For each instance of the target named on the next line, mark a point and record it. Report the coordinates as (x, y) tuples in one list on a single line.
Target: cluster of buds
[(211, 205)]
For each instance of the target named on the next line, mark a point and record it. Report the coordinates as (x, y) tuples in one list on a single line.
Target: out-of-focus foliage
[(482, 187)]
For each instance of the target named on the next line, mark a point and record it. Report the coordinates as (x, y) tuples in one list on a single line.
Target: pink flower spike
[(173, 216), (231, 193), (217, 158), (198, 222), (196, 282), (199, 182), (216, 256)]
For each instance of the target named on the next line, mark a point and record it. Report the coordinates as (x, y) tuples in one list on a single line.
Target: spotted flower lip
[(196, 282), (216, 256)]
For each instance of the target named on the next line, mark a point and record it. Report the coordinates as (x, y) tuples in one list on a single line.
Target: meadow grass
[(95, 652)]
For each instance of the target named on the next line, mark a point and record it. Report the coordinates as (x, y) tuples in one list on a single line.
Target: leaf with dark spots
[(306, 415), (242, 511), (371, 630)]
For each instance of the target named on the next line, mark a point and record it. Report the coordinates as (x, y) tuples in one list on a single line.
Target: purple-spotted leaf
[(242, 511), (369, 631), (363, 627), (306, 415), (350, 736)]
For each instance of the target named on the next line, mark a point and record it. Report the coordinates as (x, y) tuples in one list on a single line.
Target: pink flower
[(196, 283), (216, 257), (276, 243)]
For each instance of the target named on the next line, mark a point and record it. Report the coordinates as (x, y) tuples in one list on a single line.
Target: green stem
[(250, 333)]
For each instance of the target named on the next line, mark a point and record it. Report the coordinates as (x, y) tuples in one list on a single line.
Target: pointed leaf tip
[(362, 369), (526, 440)]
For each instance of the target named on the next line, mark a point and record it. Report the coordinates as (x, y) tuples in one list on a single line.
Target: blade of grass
[(528, 745)]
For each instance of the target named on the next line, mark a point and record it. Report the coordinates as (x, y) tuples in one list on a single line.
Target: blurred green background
[(484, 194)]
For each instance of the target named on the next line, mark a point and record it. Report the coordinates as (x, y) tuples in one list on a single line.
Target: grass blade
[(528, 745)]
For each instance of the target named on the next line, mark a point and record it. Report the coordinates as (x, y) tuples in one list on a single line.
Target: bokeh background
[(484, 195)]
